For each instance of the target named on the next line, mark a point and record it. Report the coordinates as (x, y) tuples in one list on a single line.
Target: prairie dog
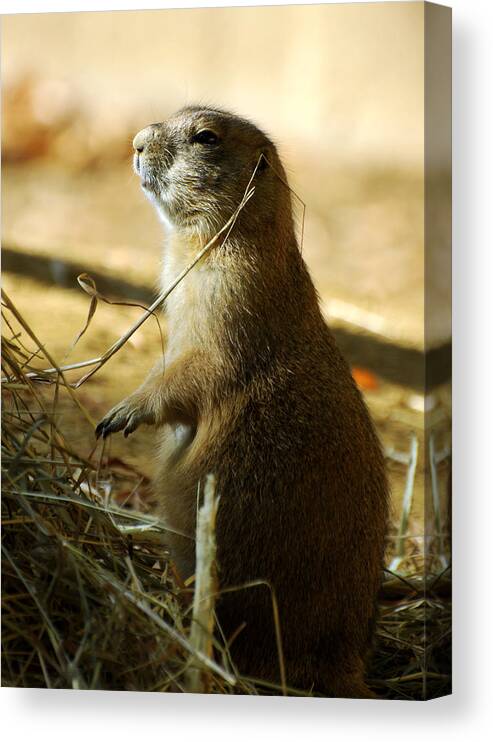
[(253, 388)]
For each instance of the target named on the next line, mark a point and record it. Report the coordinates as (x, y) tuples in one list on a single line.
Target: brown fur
[(254, 389)]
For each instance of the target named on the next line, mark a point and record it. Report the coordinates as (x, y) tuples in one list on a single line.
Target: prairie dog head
[(196, 165)]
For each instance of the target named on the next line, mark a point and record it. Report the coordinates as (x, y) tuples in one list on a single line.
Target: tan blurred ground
[(342, 81), (340, 88)]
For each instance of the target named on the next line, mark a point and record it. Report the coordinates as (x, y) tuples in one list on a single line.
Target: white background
[(73, 716)]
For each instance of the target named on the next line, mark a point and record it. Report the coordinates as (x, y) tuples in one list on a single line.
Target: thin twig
[(205, 578)]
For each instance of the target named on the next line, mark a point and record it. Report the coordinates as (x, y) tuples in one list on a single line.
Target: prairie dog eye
[(205, 136)]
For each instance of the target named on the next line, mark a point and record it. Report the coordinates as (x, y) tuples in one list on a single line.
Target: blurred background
[(340, 89)]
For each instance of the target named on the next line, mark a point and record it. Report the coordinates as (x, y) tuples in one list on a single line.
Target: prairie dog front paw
[(127, 416)]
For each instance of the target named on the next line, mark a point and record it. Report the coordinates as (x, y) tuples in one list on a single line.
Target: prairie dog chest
[(188, 309)]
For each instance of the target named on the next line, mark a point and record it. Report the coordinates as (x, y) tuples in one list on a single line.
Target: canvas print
[(226, 402)]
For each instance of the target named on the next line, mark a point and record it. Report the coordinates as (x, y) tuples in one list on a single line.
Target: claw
[(130, 426), (104, 428), (121, 417)]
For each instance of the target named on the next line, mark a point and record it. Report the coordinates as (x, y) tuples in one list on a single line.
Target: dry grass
[(91, 600)]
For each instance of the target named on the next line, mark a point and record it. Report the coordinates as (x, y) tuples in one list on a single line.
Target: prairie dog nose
[(142, 139)]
